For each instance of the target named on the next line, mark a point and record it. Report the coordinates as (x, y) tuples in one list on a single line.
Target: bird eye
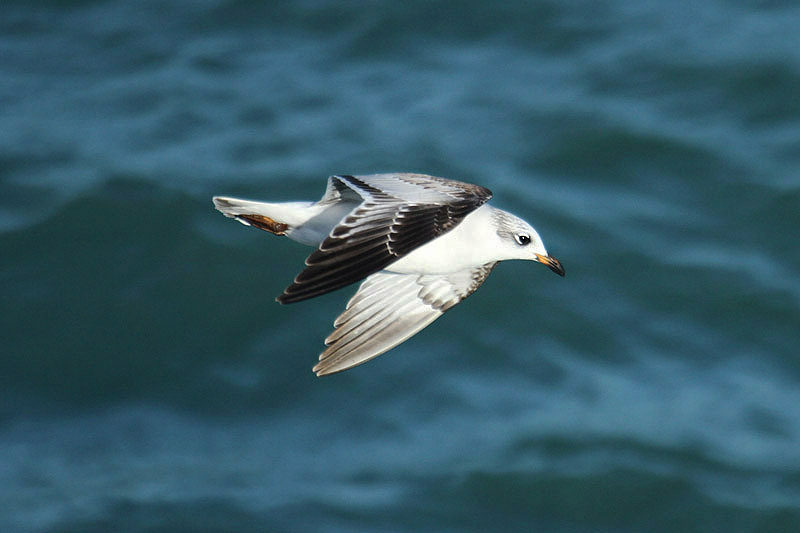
[(522, 239)]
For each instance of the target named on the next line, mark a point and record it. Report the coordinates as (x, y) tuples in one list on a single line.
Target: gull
[(421, 244)]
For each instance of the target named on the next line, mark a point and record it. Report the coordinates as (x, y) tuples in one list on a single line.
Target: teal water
[(149, 382)]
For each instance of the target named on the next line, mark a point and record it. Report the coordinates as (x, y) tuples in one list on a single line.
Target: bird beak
[(551, 262)]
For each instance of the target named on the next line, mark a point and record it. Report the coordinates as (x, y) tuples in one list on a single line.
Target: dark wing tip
[(482, 192), (289, 298)]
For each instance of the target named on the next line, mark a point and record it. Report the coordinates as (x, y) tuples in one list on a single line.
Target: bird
[(418, 244)]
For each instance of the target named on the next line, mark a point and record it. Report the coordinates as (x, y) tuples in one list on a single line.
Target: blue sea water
[(149, 382)]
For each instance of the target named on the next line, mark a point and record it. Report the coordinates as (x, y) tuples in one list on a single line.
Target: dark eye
[(523, 239)]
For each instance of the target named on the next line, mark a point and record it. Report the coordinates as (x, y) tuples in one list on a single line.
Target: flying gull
[(421, 244)]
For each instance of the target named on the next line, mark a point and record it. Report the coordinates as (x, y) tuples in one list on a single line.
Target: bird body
[(421, 244), (456, 250)]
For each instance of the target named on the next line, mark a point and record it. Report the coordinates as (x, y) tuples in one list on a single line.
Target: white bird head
[(519, 240)]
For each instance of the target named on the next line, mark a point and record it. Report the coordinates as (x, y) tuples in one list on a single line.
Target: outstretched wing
[(390, 308), (398, 213)]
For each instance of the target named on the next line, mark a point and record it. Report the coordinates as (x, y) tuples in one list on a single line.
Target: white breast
[(468, 245)]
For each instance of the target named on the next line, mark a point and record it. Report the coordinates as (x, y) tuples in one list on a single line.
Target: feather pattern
[(388, 309), (397, 214)]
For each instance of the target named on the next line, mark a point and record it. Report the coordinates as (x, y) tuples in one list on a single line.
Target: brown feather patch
[(265, 223)]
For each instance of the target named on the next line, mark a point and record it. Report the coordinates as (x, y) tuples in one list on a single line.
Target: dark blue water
[(149, 382)]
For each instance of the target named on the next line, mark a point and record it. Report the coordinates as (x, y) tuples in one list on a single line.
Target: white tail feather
[(290, 218)]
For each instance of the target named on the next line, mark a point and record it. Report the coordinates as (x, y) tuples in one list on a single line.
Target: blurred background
[(149, 382)]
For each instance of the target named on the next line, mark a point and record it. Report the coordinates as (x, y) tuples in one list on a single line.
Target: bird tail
[(257, 214), (277, 218)]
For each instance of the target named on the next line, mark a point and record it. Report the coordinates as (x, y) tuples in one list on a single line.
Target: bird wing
[(397, 214), (390, 308)]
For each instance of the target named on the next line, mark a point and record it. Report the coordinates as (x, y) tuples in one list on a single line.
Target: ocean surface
[(149, 381)]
